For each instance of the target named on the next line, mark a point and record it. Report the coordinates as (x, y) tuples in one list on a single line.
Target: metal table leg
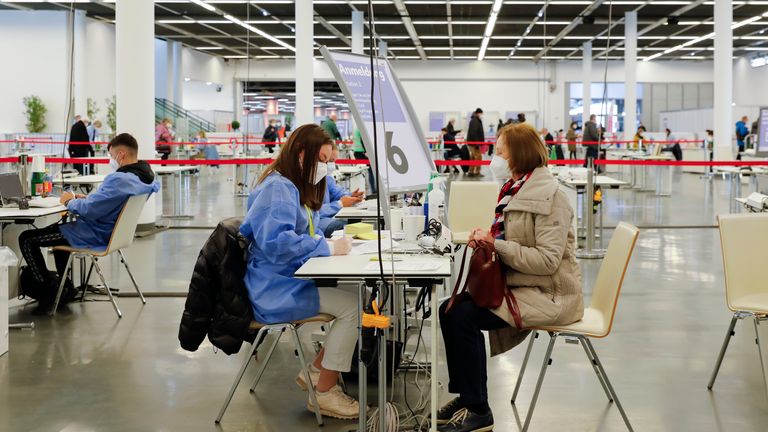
[(433, 359), (178, 200), (362, 373)]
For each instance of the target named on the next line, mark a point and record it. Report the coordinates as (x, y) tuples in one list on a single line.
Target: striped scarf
[(508, 191)]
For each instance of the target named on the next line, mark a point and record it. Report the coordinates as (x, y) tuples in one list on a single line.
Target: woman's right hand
[(342, 246)]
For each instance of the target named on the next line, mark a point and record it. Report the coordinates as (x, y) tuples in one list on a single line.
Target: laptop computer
[(10, 188), (11, 191)]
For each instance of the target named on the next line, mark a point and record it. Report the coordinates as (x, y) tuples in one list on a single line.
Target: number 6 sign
[(404, 160)]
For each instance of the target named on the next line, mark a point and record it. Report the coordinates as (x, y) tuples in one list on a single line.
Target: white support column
[(135, 79), (357, 32), (586, 80), (305, 81), (724, 126), (80, 87), (177, 85), (169, 75), (238, 98), (630, 75), (383, 49)]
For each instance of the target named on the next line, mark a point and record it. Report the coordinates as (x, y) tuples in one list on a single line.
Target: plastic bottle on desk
[(436, 200)]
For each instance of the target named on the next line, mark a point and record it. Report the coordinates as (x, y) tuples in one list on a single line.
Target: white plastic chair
[(279, 329), (597, 321), (743, 238), (471, 205), (122, 237)]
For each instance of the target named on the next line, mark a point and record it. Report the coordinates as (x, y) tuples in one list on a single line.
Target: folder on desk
[(357, 229)]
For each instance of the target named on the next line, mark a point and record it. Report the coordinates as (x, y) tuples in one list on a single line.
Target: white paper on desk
[(404, 266), (365, 247), (368, 204)]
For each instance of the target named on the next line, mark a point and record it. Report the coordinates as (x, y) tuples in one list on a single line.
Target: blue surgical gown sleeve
[(333, 193), (272, 222), (100, 202)]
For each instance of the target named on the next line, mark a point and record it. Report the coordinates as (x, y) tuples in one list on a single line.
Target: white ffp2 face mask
[(500, 167), (113, 165), (320, 172), (331, 167)]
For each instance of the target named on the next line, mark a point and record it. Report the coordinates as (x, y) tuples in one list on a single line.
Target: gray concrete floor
[(86, 370)]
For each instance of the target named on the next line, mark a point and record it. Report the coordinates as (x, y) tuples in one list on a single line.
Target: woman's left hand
[(479, 234)]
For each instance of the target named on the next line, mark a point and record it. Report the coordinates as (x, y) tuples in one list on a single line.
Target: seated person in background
[(452, 150), (674, 148), (281, 227), (532, 235), (96, 215), (334, 199)]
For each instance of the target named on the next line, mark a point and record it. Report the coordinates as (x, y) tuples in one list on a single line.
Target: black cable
[(604, 105), (423, 294), (371, 42)]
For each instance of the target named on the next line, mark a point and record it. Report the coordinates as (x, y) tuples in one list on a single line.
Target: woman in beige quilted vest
[(532, 234)]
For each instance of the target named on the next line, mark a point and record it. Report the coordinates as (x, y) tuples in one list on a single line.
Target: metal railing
[(186, 122)]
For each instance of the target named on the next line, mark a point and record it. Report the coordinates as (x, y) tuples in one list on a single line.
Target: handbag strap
[(459, 279), (514, 309)]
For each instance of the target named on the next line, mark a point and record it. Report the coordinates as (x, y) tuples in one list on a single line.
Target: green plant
[(92, 109), (35, 113), (235, 125), (112, 113)]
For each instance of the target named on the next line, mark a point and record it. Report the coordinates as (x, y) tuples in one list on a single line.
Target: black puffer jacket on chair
[(217, 304)]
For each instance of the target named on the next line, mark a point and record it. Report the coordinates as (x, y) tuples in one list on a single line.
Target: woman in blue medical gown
[(281, 225)]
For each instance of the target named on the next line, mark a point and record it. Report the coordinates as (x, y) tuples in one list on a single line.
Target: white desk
[(359, 213), (734, 174), (14, 215), (353, 176), (178, 200), (600, 180), (640, 174), (575, 188), (93, 180), (353, 269), (99, 168)]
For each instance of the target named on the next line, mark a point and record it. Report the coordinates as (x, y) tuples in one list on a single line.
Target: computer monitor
[(10, 187), (761, 147)]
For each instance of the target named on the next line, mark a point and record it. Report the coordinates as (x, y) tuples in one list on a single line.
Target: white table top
[(33, 212), (653, 157), (354, 267), (599, 181), (92, 179), (356, 213), (741, 170), (350, 169), (172, 169)]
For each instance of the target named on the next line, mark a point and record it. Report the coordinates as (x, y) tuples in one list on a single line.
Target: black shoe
[(466, 421), (448, 411)]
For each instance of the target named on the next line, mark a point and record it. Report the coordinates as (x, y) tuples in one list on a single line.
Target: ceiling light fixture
[(705, 37), (204, 5), (259, 32), (489, 27)]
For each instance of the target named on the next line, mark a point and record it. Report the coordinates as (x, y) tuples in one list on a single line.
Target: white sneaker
[(337, 404), (314, 374)]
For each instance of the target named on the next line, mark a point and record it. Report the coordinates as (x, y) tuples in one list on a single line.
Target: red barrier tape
[(469, 163), (250, 142)]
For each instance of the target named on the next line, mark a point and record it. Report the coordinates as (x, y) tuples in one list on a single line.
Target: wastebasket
[(7, 259)]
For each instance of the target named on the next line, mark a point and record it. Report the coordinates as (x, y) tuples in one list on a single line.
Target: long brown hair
[(526, 149), (308, 138)]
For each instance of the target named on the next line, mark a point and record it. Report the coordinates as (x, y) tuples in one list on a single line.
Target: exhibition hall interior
[(383, 215)]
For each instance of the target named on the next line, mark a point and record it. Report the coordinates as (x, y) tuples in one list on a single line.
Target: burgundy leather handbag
[(485, 281)]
